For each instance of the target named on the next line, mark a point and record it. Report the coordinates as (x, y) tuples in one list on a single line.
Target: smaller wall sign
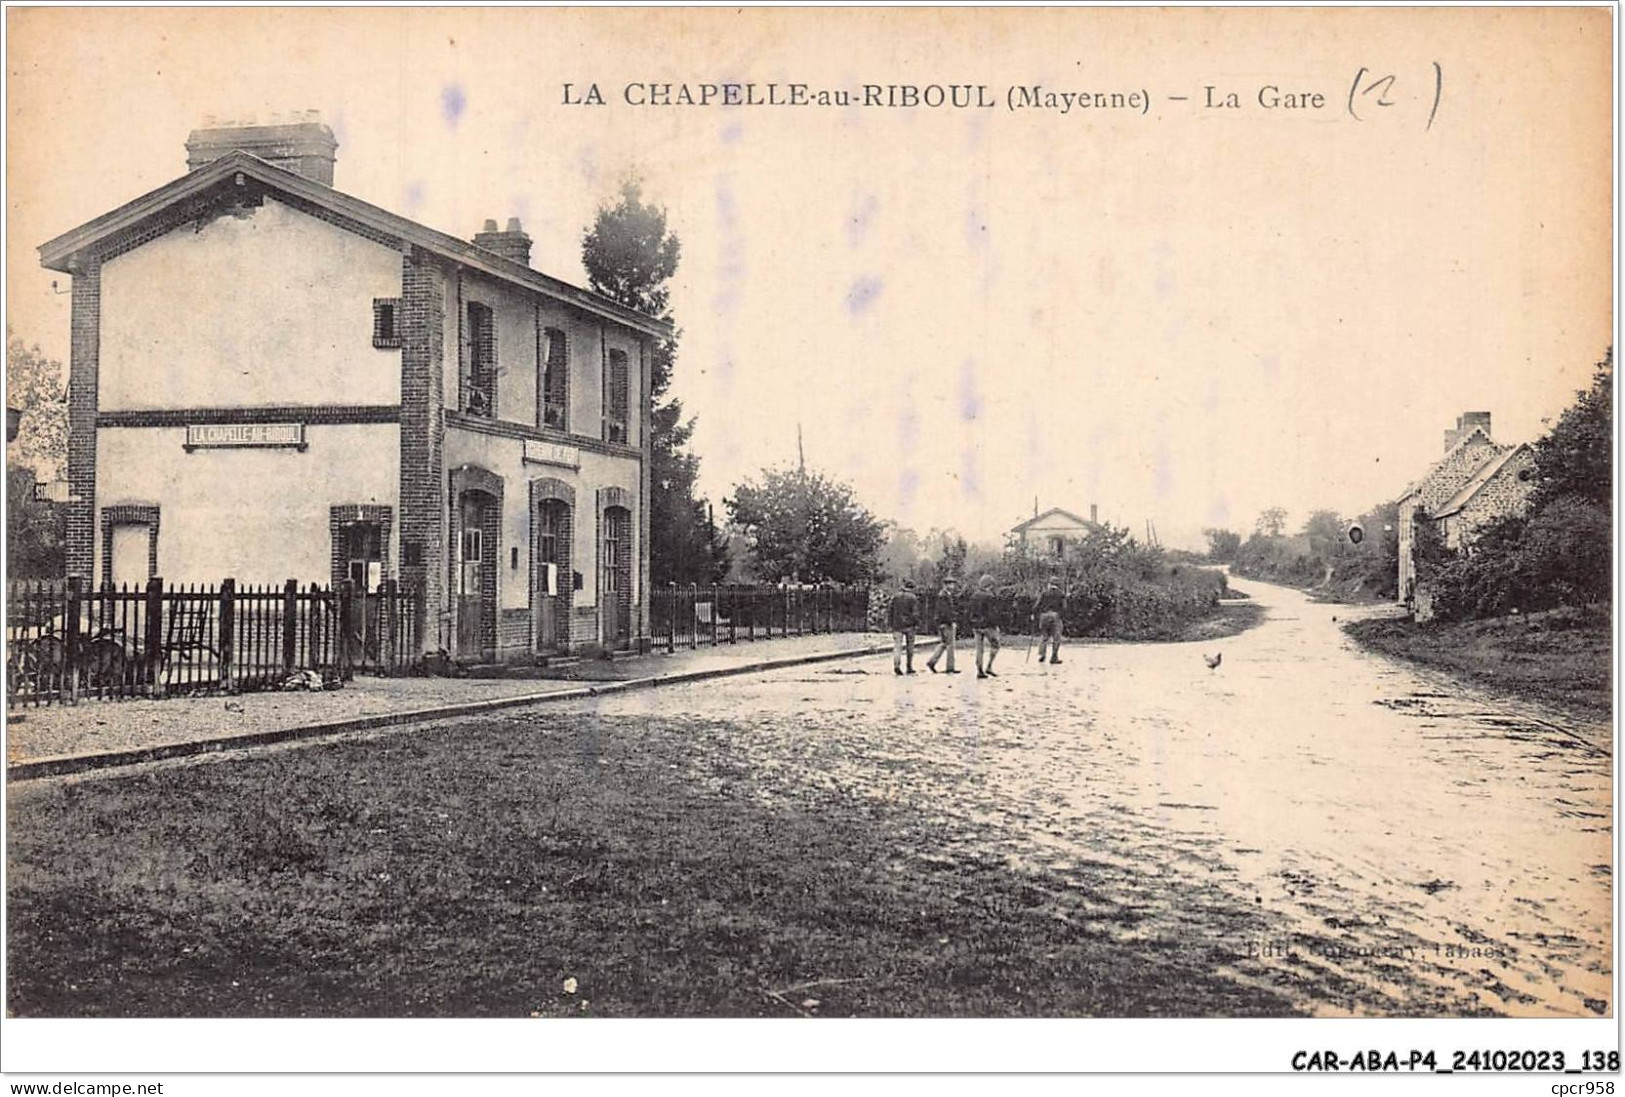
[(244, 435), (54, 491)]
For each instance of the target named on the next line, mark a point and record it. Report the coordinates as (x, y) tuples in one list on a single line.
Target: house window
[(617, 397), (555, 381), (473, 545), (386, 332), (1057, 545), (480, 382), (547, 531)]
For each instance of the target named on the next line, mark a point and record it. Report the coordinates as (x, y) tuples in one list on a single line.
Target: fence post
[(290, 623), (70, 639), (154, 642), (315, 605), (228, 631), (716, 605), (671, 619), (346, 602), (694, 616), (733, 614)]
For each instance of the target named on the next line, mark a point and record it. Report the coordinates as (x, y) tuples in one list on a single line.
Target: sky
[(1182, 316)]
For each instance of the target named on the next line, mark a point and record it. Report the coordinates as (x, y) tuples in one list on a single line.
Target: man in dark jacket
[(984, 619), (947, 623), (1047, 610), (903, 616)]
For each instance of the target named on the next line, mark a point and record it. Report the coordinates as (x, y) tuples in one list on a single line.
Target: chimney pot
[(512, 243)]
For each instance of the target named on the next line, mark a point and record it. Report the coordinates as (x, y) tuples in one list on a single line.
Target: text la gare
[(1270, 97)]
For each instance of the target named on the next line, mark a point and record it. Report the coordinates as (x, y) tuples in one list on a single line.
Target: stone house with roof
[(1477, 481), (270, 378)]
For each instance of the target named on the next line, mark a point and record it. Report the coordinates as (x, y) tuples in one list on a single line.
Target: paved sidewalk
[(35, 735)]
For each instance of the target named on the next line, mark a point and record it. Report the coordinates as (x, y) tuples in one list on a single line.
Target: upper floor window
[(386, 332), (555, 380), (617, 397), (479, 389)]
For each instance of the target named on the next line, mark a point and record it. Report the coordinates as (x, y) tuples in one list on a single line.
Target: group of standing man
[(982, 610)]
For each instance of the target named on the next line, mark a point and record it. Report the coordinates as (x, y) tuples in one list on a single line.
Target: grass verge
[(1561, 657), (1230, 620), (471, 869)]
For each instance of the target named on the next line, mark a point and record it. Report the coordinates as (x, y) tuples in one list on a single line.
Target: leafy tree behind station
[(630, 256)]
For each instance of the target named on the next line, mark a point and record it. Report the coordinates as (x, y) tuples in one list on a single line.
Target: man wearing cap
[(1047, 609), (947, 622), (984, 619), (903, 616)]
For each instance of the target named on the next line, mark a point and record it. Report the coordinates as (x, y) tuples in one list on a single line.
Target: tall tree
[(802, 526), (36, 533), (630, 256), (1327, 534), (37, 386), (1222, 544), (1576, 455), (951, 560), (1271, 523)]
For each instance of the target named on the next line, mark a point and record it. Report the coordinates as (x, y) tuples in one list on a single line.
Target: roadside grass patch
[(1561, 657), (472, 869)]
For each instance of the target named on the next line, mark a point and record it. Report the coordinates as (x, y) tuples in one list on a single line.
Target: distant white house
[(1049, 532)]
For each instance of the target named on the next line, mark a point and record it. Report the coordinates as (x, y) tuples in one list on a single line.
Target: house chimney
[(1094, 514), (1465, 422), (303, 144), (511, 243)]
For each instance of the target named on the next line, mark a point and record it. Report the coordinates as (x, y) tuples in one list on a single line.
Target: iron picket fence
[(690, 617), (67, 641)]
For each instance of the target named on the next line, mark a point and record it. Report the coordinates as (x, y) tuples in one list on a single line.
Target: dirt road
[(1414, 847)]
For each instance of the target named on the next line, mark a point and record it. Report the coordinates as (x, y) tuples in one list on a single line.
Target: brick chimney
[(1465, 422), (1094, 514), (511, 243), (301, 143)]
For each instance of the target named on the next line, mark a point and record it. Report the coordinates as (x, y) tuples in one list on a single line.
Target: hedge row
[(1111, 604)]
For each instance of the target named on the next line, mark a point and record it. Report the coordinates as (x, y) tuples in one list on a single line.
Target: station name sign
[(551, 453), (245, 435)]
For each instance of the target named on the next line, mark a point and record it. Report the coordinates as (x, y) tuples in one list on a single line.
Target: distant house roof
[(1416, 485), (1051, 513), (1486, 472), (61, 252)]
